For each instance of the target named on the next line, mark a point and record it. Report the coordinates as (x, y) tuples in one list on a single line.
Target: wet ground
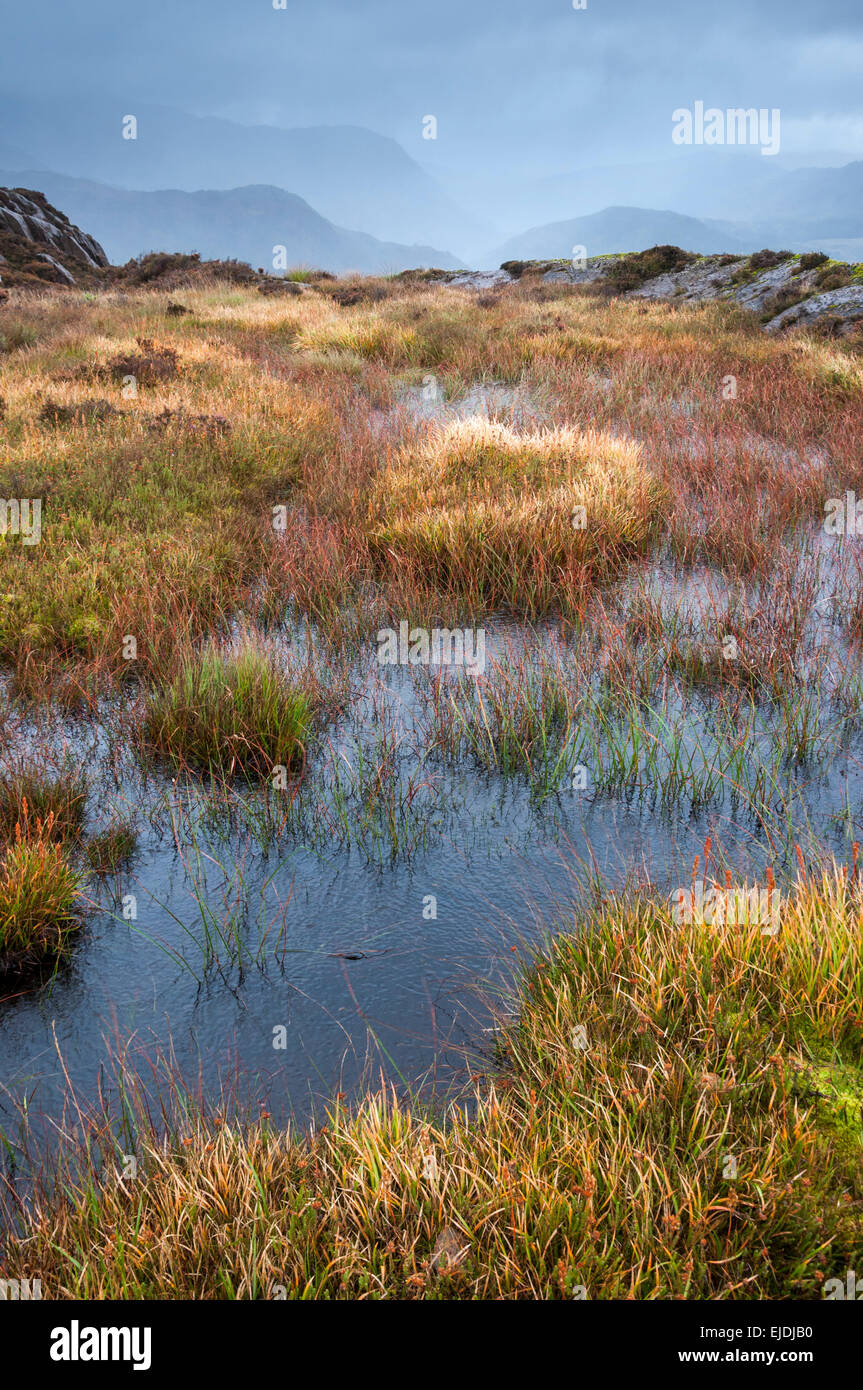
[(372, 935), (346, 950)]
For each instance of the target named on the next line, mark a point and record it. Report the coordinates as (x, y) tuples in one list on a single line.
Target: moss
[(835, 1087)]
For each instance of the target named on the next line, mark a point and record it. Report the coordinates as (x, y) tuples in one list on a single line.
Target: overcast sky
[(520, 84)]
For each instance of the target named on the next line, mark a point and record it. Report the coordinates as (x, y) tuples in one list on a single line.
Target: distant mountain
[(818, 195), (352, 176), (810, 206), (243, 223), (756, 200), (704, 182), (613, 229), (13, 157)]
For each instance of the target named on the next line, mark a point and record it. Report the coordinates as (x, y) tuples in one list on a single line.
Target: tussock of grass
[(646, 1056), (493, 513), (38, 899), (149, 366), (230, 712), (368, 336), (57, 798), (16, 336)]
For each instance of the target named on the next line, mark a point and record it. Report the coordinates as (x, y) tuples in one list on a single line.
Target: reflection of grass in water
[(367, 798), (229, 929), (642, 1135), (364, 791)]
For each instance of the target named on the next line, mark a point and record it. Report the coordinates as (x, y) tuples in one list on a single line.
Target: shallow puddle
[(373, 936)]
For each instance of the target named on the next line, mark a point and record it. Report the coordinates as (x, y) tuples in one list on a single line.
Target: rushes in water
[(516, 719), (231, 712), (109, 849), (38, 897), (54, 797)]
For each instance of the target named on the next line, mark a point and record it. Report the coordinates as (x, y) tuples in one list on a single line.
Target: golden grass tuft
[(511, 518)]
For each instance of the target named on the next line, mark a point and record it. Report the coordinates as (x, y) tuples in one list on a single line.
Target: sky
[(514, 85)]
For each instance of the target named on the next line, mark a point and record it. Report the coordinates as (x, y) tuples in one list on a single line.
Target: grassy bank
[(675, 1113)]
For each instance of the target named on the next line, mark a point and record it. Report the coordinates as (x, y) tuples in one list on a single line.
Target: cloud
[(520, 83)]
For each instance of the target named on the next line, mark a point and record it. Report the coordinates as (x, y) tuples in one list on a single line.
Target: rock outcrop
[(842, 308), (39, 245), (784, 289)]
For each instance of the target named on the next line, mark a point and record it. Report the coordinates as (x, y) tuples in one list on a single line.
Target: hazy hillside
[(613, 229), (351, 175), (355, 177), (245, 223), (706, 182), (756, 201), (812, 209)]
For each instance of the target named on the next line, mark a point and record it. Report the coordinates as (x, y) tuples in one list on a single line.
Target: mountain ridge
[(351, 175), (243, 223), (611, 230)]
